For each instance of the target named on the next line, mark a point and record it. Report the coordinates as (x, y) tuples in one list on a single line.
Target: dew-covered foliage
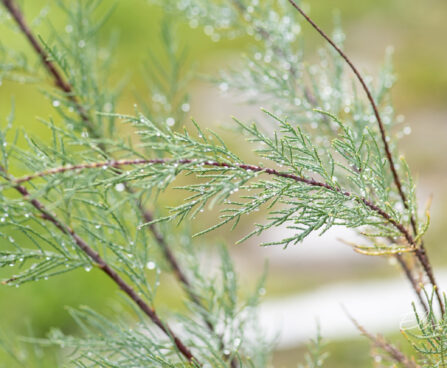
[(91, 196)]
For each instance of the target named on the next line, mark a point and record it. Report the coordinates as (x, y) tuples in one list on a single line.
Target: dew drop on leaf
[(151, 265), (119, 187)]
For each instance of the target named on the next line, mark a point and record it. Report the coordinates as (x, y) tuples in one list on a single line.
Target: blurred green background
[(417, 30)]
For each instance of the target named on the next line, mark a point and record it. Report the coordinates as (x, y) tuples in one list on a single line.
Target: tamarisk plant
[(325, 156)]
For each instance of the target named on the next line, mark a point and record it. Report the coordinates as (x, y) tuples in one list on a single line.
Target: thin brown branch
[(420, 252), (65, 87), (91, 165), (380, 342), (368, 93), (414, 283), (105, 267), (264, 34), (172, 260), (309, 181), (59, 80)]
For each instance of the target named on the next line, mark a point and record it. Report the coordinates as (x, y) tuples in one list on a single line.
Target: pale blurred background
[(308, 282)]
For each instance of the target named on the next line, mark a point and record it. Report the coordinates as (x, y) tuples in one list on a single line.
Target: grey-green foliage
[(97, 206), (275, 72), (352, 168), (427, 334), (122, 342), (167, 78), (316, 356), (316, 161), (80, 55), (276, 75)]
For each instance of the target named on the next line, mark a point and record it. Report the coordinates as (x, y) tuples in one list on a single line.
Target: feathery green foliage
[(318, 159)]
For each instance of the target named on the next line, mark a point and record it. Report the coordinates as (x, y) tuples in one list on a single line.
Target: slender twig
[(420, 251), (65, 87), (106, 268), (414, 283), (367, 91), (59, 80), (172, 260), (265, 35), (252, 168), (380, 342), (90, 165)]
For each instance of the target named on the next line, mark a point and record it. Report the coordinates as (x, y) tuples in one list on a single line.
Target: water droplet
[(68, 28), (88, 268), (186, 107), (81, 44), (151, 265), (120, 187), (407, 130), (56, 103), (170, 122)]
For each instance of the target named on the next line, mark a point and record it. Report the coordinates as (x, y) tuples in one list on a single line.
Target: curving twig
[(309, 181), (59, 80), (107, 269), (66, 87), (264, 34), (420, 251), (380, 342)]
